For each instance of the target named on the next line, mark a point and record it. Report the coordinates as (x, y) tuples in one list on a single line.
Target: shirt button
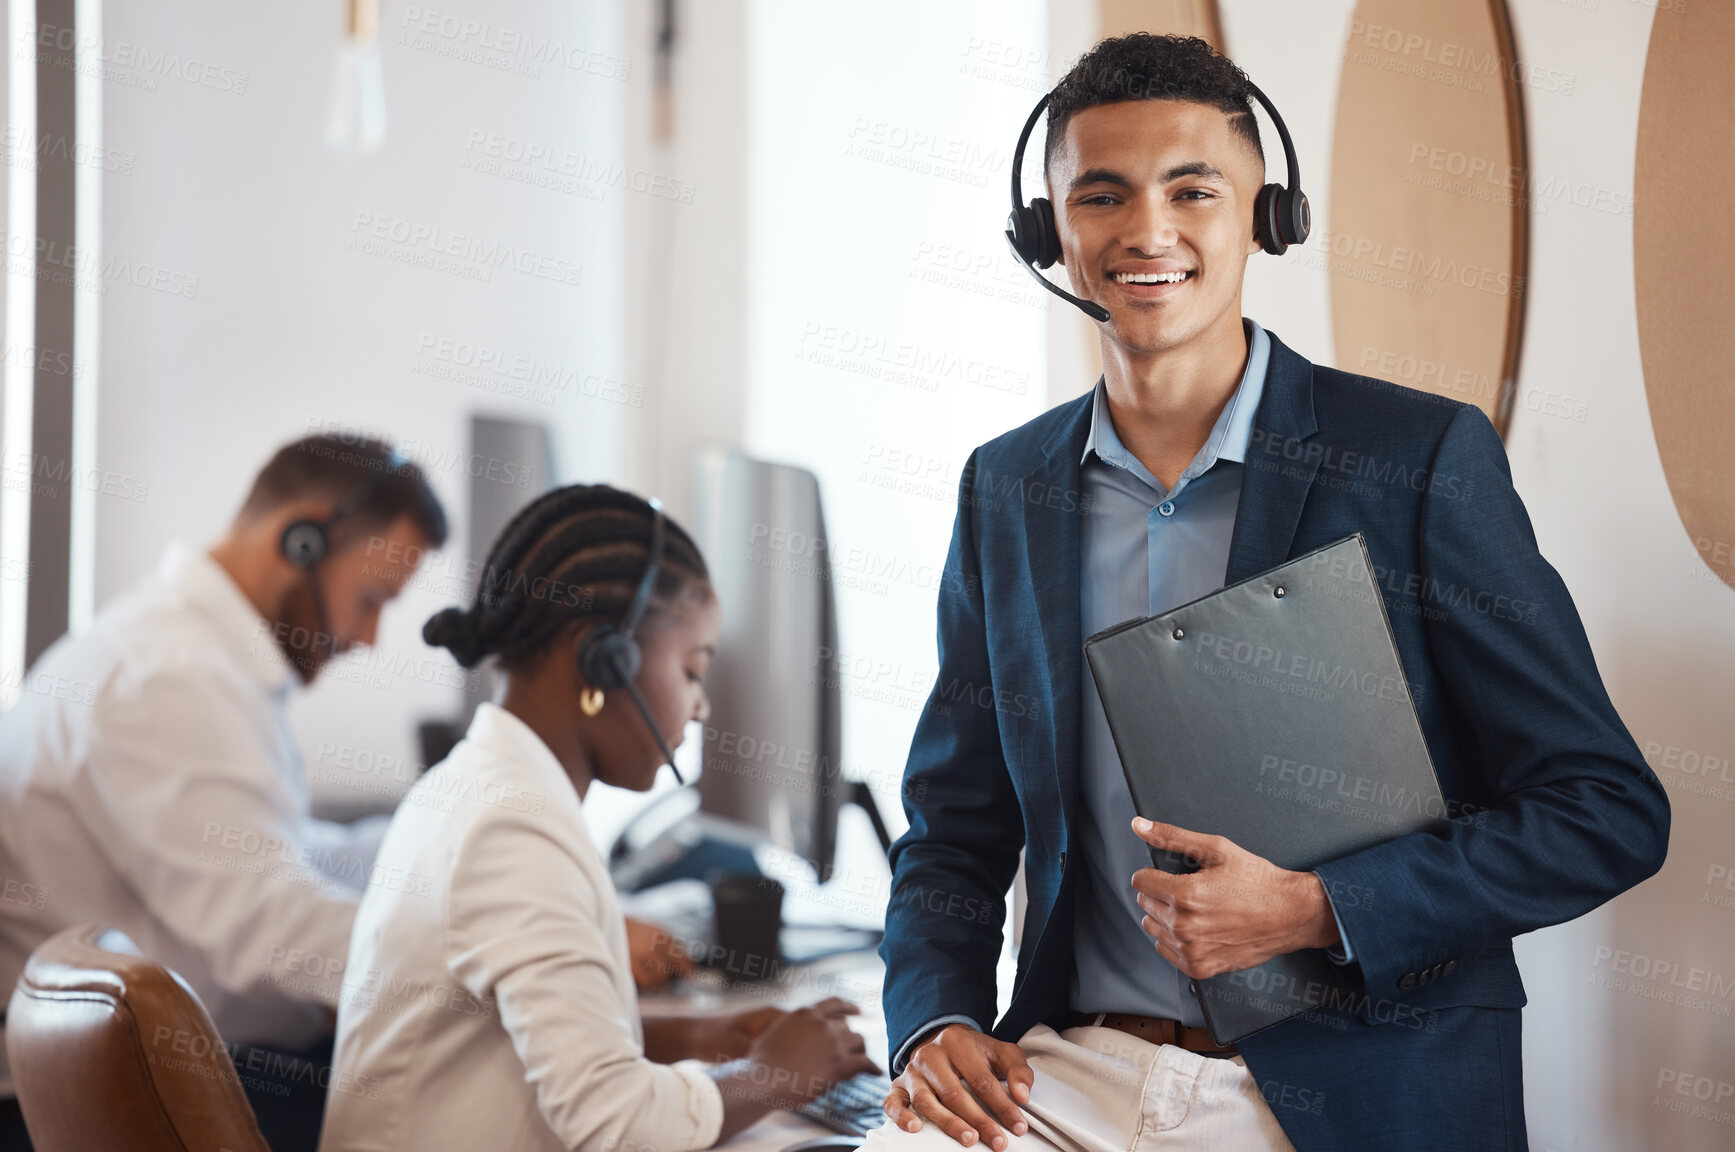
[(1167, 508)]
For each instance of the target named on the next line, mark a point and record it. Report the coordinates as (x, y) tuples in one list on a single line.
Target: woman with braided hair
[(488, 1001)]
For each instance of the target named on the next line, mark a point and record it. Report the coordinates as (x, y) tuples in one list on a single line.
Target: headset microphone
[(662, 745), (1281, 215), (609, 656)]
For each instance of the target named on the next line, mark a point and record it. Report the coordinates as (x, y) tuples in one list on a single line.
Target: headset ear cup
[(1298, 215), (608, 659), (303, 544), (1021, 233), (1047, 235), (591, 664), (1265, 220)]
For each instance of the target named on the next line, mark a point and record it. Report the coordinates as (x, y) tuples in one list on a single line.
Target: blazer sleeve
[(951, 871), (1577, 816)]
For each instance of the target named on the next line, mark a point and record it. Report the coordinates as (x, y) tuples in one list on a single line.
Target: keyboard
[(853, 1107)]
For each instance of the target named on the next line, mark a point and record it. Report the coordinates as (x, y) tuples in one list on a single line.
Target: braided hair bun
[(454, 629), (573, 553)]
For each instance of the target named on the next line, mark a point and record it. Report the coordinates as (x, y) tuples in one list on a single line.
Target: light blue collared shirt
[(1147, 549)]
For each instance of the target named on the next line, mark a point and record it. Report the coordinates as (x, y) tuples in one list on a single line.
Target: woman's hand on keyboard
[(810, 1049), (798, 1056), (730, 1037)]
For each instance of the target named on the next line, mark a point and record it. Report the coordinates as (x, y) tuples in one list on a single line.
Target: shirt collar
[(1229, 436), (207, 588)]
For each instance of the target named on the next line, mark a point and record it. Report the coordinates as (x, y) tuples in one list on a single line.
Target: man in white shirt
[(149, 778)]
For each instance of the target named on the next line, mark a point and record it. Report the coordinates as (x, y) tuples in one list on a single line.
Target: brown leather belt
[(1158, 1030)]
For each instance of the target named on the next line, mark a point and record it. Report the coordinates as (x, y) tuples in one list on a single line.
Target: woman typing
[(489, 1001)]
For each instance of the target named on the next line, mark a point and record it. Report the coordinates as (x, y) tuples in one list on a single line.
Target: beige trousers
[(1101, 1090)]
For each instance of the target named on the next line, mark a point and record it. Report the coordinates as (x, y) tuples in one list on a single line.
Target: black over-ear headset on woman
[(609, 656), (1281, 215)]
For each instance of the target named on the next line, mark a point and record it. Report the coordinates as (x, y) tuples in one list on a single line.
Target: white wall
[(233, 186), (890, 330), (687, 278), (1291, 51)]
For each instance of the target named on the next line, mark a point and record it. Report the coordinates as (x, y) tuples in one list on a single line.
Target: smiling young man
[(1207, 452)]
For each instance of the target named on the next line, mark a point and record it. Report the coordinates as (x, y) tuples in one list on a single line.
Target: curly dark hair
[(1141, 66)]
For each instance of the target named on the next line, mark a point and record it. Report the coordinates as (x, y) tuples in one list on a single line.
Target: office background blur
[(782, 234)]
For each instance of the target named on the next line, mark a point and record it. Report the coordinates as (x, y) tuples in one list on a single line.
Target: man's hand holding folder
[(1236, 912), (1269, 726)]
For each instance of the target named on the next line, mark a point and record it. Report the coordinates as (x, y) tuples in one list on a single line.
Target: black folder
[(1274, 712)]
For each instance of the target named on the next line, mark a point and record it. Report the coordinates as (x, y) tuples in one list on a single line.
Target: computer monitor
[(523, 450), (494, 442), (772, 757)]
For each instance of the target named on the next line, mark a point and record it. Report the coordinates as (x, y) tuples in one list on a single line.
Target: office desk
[(855, 976)]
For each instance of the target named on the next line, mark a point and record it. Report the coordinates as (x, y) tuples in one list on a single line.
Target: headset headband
[(642, 597), (1291, 163), (396, 461), (1018, 152)]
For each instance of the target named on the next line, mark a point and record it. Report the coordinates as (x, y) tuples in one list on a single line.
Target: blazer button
[(1446, 970), (1407, 981)]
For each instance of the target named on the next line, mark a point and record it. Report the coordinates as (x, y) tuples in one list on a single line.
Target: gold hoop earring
[(590, 701)]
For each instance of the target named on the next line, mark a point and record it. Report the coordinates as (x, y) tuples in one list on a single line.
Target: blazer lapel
[(1279, 468), (1054, 509)]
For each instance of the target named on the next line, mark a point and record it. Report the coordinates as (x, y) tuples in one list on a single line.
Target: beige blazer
[(488, 1001)]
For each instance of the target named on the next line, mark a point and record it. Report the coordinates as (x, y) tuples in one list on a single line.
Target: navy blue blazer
[(1560, 811)]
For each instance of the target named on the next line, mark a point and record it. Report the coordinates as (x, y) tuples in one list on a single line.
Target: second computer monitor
[(772, 747)]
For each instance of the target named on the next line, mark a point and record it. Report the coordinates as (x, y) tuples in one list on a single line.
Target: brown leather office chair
[(111, 1051)]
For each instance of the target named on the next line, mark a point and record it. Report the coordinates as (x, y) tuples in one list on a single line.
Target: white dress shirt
[(489, 1000), (149, 780)]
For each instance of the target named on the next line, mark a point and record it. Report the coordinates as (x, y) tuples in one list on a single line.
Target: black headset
[(307, 543), (609, 656), (1281, 215)]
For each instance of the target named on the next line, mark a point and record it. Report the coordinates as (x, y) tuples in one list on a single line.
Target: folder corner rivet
[(1180, 632), (1280, 592)]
